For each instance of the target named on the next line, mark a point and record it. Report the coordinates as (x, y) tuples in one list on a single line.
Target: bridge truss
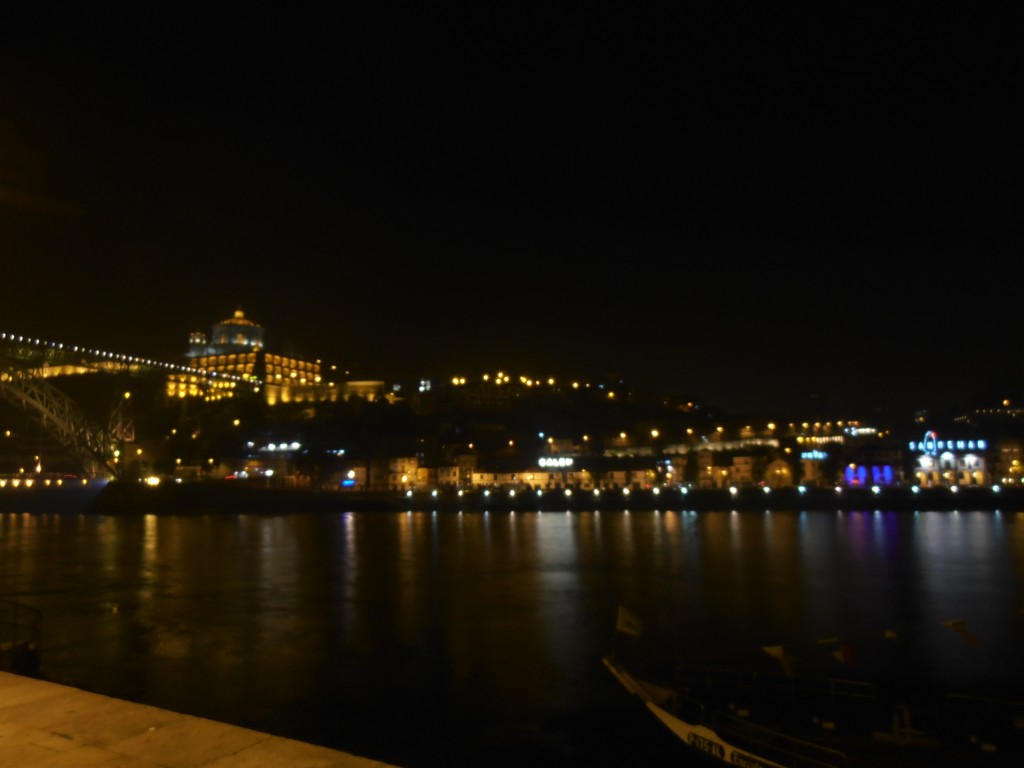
[(93, 448), (26, 365)]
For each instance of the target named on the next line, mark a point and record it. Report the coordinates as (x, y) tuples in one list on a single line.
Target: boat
[(763, 718)]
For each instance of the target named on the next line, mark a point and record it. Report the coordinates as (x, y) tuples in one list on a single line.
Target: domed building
[(234, 352), (236, 334)]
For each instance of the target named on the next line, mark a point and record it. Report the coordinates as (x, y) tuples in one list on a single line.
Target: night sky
[(768, 208)]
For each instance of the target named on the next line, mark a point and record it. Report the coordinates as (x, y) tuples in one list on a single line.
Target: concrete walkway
[(43, 724)]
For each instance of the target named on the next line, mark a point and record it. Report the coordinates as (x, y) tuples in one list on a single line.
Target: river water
[(458, 639)]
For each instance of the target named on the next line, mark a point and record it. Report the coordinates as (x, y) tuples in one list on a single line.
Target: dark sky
[(762, 206)]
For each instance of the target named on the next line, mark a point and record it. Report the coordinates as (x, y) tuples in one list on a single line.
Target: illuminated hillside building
[(235, 348)]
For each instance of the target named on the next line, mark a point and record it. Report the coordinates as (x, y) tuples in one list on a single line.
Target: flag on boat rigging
[(781, 655), (844, 654), (628, 623), (960, 627), (840, 651)]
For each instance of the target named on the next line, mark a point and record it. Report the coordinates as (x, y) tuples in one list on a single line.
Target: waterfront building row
[(930, 463), (672, 444)]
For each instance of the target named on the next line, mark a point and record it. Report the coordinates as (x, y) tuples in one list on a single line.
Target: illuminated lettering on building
[(814, 455), (561, 461), (932, 446)]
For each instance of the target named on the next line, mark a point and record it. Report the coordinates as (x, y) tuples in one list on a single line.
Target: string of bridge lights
[(123, 358)]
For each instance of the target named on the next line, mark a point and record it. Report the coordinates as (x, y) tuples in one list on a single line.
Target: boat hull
[(694, 735), (851, 728)]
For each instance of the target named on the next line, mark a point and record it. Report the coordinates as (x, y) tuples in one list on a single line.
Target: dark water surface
[(457, 639)]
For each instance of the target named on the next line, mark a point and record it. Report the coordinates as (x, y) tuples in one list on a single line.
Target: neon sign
[(932, 446), (561, 461), (858, 475)]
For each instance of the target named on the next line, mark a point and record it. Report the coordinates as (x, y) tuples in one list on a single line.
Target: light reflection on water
[(482, 633)]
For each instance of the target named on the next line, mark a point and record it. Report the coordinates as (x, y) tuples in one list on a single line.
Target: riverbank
[(45, 723), (241, 497)]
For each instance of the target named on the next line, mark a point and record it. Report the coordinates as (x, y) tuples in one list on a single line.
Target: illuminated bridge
[(30, 369)]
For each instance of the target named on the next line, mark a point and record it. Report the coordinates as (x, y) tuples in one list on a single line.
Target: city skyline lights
[(772, 209)]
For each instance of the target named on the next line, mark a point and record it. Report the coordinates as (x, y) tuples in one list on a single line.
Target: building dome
[(238, 318), (235, 334)]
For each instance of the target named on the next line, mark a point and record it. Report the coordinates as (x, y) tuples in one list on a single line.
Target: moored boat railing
[(774, 745), (823, 689), (794, 687)]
